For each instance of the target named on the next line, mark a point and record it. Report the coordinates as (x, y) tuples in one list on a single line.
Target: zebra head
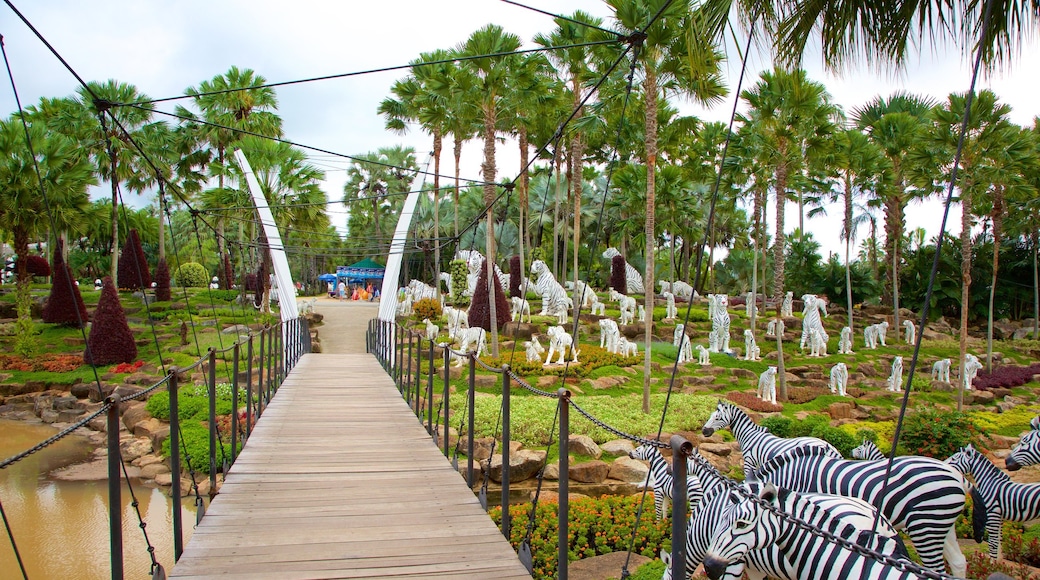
[(867, 450), (721, 418), (744, 526), (643, 452), (965, 459), (1027, 451)]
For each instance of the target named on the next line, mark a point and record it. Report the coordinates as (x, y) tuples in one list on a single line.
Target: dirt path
[(344, 325)]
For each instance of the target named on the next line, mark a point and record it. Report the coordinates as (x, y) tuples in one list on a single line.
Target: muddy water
[(61, 527)]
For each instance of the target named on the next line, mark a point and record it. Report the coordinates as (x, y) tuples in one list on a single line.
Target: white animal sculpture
[(609, 335), (559, 341), (839, 378), (750, 308), (720, 322), (641, 312), (818, 342), (554, 297), (845, 341), (682, 290), (306, 306), (941, 370), (682, 341), (584, 295), (665, 285), (633, 279), (627, 347), (911, 331), (628, 309), (751, 350), (787, 306), (874, 333), (520, 308), (475, 337), (670, 310), (534, 349), (703, 355), (404, 305), (597, 307), (811, 318), (882, 332), (775, 326), (970, 370), (895, 380), (767, 385), (614, 296), (431, 329), (457, 319)]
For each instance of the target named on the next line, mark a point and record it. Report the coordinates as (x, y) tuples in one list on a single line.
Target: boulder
[(81, 390), (720, 449), (589, 472), (980, 397), (584, 445), (627, 469), (486, 381), (70, 415), (867, 370), (1022, 333), (617, 447), (64, 403), (839, 411), (523, 464), (552, 472), (134, 448), (134, 413)]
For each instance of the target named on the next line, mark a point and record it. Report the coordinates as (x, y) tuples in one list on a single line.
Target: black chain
[(601, 424), (61, 435), (527, 387), (140, 520)]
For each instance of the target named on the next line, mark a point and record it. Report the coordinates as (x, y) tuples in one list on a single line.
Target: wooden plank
[(340, 479)]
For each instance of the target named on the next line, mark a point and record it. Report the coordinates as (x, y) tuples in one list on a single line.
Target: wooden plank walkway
[(339, 480)]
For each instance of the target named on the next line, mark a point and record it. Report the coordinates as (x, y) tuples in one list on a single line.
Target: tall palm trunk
[(965, 284), (523, 238), (115, 216), (756, 235), (457, 150), (998, 227), (650, 94), (848, 249), (576, 184), (489, 200), (162, 225), (437, 146), (1036, 284), (565, 241), (778, 264), (556, 212)]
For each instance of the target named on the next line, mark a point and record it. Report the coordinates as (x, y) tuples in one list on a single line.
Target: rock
[(134, 448), (70, 415), (146, 460), (547, 381), (941, 386), (982, 397), (554, 497), (124, 391), (1000, 392), (627, 469), (1014, 400), (720, 449), (589, 472), (523, 464), (81, 390), (150, 471), (584, 445), (48, 416), (743, 373), (1022, 333), (867, 370), (236, 329), (552, 472), (840, 410), (481, 447), (65, 403), (134, 413), (617, 447)]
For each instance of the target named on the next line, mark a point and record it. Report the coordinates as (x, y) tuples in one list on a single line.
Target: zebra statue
[(720, 322), (755, 523), (756, 443), (633, 279), (767, 561), (924, 497), (554, 297), (661, 479), (868, 450), (1027, 450), (1002, 499), (811, 320)]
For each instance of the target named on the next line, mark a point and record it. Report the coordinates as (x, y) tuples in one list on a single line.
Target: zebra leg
[(932, 544), (994, 531), (659, 503), (954, 557)]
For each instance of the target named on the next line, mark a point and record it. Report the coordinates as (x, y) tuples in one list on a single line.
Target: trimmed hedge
[(618, 280), (480, 308), (162, 282), (192, 275), (132, 269), (110, 339), (65, 305), (515, 276)]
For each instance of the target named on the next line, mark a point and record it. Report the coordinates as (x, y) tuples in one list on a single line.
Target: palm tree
[(378, 180), (989, 134), (669, 66), (793, 115)]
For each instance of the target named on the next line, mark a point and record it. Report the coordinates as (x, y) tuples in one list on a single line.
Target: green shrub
[(427, 308), (841, 440), (459, 272), (192, 275), (194, 445), (189, 406), (937, 434)]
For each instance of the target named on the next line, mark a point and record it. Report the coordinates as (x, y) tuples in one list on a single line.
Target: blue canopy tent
[(362, 271), (327, 278)]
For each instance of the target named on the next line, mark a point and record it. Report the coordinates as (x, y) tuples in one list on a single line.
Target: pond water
[(61, 527)]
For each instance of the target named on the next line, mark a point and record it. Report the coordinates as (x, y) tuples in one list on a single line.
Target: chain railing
[(287, 342), (393, 347)]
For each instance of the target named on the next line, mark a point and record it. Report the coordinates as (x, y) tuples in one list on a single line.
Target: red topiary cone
[(162, 282), (480, 308), (618, 278), (65, 304), (515, 276), (36, 266), (229, 275), (110, 339), (132, 269)]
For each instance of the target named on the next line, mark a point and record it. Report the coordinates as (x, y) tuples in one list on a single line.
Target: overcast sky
[(164, 47)]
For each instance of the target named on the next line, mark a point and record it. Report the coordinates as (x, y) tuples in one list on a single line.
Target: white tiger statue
[(554, 296), (895, 380), (787, 306), (811, 320), (839, 378), (751, 349), (845, 341), (720, 322), (633, 279)]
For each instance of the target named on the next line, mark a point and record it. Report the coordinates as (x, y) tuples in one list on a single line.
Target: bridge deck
[(339, 480)]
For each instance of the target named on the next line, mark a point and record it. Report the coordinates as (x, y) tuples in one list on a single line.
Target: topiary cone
[(162, 282), (65, 305), (480, 307), (132, 268), (110, 340)]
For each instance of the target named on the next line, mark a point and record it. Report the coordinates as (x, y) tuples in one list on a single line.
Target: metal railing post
[(115, 501), (260, 377), (681, 450), (406, 383), (175, 467), (447, 388), (234, 401), (563, 543), (429, 394), (506, 520), (394, 352), (270, 363), (249, 386), (470, 401), (212, 387)]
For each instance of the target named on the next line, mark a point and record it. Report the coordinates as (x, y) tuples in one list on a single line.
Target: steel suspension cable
[(140, 520), (14, 546)]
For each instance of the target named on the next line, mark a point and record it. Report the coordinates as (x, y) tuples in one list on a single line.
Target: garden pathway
[(339, 480)]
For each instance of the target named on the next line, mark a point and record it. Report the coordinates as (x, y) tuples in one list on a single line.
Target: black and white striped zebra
[(1027, 451), (868, 450), (749, 526), (760, 563), (661, 479), (924, 496), (1003, 499), (757, 444)]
